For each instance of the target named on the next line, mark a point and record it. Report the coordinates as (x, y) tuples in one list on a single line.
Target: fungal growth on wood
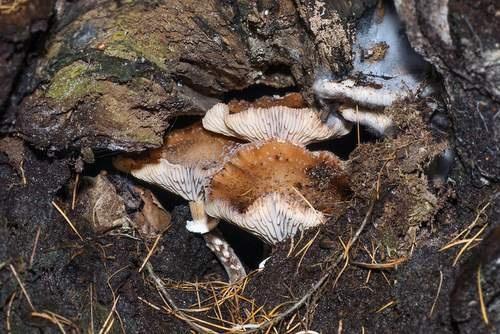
[(385, 69), (283, 118), (280, 166), (276, 189), (183, 166)]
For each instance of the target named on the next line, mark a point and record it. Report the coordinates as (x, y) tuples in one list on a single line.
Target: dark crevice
[(253, 92), (184, 121), (343, 146), (278, 69), (250, 249), (31, 48)]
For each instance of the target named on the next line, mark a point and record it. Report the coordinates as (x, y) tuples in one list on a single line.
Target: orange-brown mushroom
[(183, 166), (274, 189)]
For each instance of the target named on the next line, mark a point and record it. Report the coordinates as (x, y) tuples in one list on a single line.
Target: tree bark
[(115, 74)]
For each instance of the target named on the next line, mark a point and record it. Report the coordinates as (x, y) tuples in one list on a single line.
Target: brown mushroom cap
[(275, 189), (182, 165), (290, 100)]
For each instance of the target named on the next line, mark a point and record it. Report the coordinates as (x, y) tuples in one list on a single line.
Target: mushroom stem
[(200, 223), (226, 255)]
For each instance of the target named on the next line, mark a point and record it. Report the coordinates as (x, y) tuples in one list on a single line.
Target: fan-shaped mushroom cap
[(275, 189), (348, 91), (214, 118), (299, 126), (375, 120), (182, 165)]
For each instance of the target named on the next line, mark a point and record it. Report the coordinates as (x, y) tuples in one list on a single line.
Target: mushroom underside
[(275, 189)]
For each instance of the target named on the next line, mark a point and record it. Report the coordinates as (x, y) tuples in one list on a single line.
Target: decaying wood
[(461, 40), (115, 74)]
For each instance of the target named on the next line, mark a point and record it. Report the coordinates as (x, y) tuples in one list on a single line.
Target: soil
[(396, 279)]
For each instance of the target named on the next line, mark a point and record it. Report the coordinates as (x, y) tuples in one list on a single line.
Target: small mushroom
[(182, 166), (277, 120), (370, 102), (348, 91), (374, 120), (274, 189)]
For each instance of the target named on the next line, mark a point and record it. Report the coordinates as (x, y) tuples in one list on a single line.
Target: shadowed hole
[(250, 249), (254, 92), (343, 146)]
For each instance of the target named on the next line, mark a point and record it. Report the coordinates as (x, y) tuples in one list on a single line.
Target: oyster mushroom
[(182, 166), (348, 91), (375, 120), (272, 119), (368, 103), (275, 189)]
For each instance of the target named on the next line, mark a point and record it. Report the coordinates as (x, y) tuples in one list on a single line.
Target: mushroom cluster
[(247, 163), (385, 69), (274, 186)]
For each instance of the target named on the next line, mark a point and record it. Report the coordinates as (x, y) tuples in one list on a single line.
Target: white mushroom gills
[(273, 218), (374, 120), (185, 181), (366, 96), (298, 126), (214, 120)]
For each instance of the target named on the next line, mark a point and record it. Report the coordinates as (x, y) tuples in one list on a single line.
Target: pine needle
[(484, 312), (67, 219)]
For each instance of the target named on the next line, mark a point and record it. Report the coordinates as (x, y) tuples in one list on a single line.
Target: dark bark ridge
[(461, 40)]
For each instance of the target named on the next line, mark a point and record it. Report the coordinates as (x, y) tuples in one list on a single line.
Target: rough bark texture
[(114, 75), (20, 24), (461, 39)]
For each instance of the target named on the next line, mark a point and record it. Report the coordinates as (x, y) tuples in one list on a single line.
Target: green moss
[(72, 82), (131, 49), (129, 42)]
